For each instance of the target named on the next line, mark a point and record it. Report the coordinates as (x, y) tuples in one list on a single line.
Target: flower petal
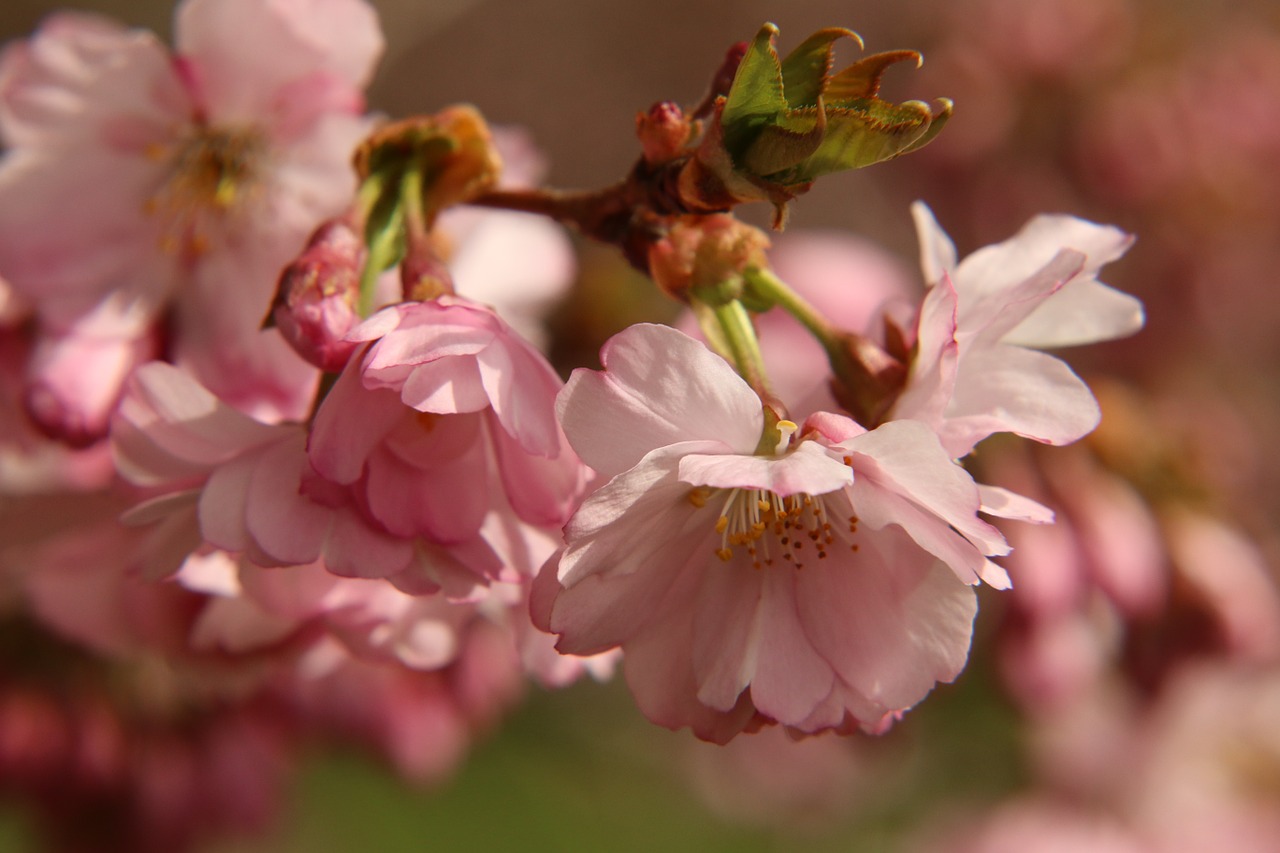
[(659, 387)]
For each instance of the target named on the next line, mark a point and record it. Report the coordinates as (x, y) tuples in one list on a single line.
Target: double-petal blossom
[(238, 485), (977, 369), (443, 416), (820, 584)]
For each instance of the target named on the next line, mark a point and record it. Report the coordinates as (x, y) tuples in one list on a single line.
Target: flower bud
[(663, 131), (867, 379), (707, 254), (785, 122), (318, 296)]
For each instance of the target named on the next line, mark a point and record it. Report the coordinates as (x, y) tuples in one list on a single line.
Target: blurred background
[(1141, 676)]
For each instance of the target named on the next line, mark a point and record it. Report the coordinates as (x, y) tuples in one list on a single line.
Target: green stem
[(411, 201), (738, 335), (381, 203), (775, 291)]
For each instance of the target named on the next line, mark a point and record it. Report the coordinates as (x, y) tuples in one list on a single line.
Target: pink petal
[(246, 51), (285, 524), (541, 491), (997, 268), (909, 461), (937, 252), (894, 627), (933, 367), (791, 679), (350, 423), (659, 387), (726, 631), (522, 389), (1003, 503), (807, 469), (1021, 391)]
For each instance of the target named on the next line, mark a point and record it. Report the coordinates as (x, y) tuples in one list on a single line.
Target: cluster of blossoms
[(284, 441)]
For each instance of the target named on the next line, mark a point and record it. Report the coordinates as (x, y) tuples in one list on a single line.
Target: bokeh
[(1126, 696)]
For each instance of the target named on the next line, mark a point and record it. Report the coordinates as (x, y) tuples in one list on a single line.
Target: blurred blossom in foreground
[(142, 188)]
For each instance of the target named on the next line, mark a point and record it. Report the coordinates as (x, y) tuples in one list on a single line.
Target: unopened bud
[(664, 131), (867, 379), (707, 254), (318, 296), (453, 149)]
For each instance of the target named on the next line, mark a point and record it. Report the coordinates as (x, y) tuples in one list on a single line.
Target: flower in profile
[(140, 186), (977, 370), (817, 577)]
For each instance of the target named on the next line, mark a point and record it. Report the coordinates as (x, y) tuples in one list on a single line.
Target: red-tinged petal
[(659, 387)]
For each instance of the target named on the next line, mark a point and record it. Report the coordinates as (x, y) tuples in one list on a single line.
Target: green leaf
[(862, 78), (786, 144), (805, 70), (756, 98), (942, 112), (874, 132)]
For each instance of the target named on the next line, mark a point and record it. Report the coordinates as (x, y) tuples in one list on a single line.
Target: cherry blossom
[(141, 187), (977, 369), (820, 582), (443, 415)]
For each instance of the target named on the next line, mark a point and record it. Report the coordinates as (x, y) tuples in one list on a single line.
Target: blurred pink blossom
[(141, 187)]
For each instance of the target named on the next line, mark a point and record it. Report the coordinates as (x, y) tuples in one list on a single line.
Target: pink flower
[(247, 487), (819, 584), (977, 370), (445, 415), (138, 183)]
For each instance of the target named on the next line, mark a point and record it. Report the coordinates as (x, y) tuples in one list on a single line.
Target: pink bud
[(316, 302), (664, 131)]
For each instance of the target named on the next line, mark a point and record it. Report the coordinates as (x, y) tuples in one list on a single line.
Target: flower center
[(768, 526), (211, 171), (760, 521)]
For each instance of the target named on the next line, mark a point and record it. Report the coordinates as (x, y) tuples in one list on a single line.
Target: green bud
[(786, 122)]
